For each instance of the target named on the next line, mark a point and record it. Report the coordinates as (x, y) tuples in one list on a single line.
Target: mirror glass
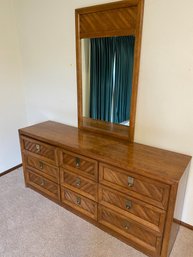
[(107, 73)]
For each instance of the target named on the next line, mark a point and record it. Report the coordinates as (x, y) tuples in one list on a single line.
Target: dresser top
[(145, 160)]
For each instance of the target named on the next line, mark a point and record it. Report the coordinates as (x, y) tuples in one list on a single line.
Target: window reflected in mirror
[(107, 72)]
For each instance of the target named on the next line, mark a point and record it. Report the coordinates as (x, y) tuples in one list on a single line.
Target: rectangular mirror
[(108, 41)]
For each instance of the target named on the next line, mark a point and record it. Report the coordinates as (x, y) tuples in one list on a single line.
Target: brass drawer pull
[(41, 165), (38, 148), (77, 162), (78, 200), (130, 181), (42, 183), (128, 204), (78, 182), (126, 225)]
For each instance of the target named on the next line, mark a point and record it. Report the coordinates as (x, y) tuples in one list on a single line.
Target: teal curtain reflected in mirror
[(101, 78), (111, 72), (124, 58)]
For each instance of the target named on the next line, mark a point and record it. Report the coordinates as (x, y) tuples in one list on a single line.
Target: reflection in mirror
[(107, 71)]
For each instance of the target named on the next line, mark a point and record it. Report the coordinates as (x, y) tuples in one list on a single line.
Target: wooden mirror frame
[(90, 24)]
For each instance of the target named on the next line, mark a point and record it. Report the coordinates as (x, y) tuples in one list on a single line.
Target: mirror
[(108, 43), (107, 72)]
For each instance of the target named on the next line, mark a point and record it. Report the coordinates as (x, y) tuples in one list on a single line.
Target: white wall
[(165, 102), (47, 34), (12, 109)]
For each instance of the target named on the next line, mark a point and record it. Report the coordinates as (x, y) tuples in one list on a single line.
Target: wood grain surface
[(143, 213), (41, 183), (162, 165), (79, 184)]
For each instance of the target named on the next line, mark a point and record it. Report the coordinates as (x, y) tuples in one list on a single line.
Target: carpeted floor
[(33, 226)]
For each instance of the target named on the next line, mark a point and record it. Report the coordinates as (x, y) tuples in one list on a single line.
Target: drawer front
[(132, 231), (48, 152), (80, 203), (147, 215), (43, 168), (44, 185), (79, 184), (145, 189), (79, 164)]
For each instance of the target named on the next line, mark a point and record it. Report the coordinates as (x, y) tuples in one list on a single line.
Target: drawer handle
[(38, 148), (78, 182), (42, 183), (130, 181), (78, 200), (77, 162), (41, 165), (128, 204), (126, 225)]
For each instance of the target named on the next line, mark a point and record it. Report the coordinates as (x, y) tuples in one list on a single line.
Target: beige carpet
[(32, 226)]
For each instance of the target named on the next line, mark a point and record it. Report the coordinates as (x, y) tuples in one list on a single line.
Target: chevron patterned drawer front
[(79, 203), (43, 185), (38, 148), (42, 168), (80, 164), (79, 184), (136, 233)]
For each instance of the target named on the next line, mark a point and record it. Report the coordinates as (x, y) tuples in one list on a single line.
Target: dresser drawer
[(47, 170), (80, 203), (143, 188), (37, 148), (146, 214), (79, 184), (42, 184), (132, 231), (79, 164)]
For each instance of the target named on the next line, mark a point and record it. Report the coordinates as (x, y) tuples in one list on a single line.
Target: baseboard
[(10, 170), (183, 224)]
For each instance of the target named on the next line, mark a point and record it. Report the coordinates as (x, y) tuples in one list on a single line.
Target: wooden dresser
[(130, 190)]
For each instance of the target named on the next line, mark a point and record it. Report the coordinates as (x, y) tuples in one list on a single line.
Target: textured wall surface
[(12, 106)]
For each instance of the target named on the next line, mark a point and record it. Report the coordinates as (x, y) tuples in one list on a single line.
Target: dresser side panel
[(178, 208)]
